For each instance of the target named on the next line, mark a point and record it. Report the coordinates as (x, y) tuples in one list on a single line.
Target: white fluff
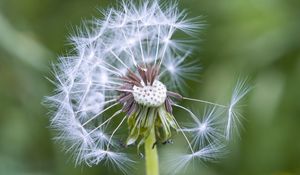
[(87, 80)]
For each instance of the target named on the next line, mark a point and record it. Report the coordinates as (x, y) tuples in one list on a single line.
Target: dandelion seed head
[(129, 69)]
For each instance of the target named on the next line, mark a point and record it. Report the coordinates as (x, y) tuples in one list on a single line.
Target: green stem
[(151, 155)]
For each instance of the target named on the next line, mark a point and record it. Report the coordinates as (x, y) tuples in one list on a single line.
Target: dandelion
[(119, 85)]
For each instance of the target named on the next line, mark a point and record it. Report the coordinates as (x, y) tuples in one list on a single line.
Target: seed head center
[(151, 96)]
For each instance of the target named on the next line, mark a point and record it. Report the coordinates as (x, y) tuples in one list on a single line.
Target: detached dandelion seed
[(124, 78)]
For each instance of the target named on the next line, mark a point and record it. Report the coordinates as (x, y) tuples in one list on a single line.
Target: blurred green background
[(259, 38)]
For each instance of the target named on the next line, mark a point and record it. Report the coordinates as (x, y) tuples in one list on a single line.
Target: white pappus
[(124, 77)]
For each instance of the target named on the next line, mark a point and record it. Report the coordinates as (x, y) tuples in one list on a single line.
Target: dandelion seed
[(127, 71), (207, 129), (179, 162), (234, 117)]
